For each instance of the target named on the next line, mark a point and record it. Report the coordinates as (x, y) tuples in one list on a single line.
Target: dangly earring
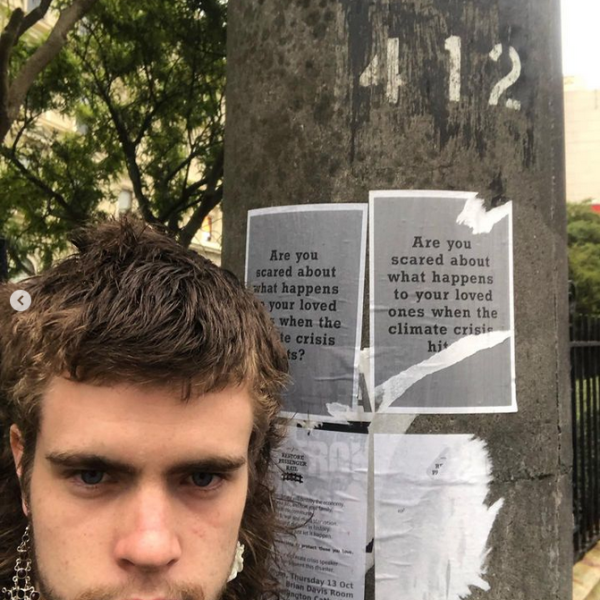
[(238, 562), (22, 588)]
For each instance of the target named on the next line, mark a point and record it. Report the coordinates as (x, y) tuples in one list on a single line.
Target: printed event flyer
[(322, 490)]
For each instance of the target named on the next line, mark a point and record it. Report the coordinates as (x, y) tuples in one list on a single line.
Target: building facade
[(582, 141)]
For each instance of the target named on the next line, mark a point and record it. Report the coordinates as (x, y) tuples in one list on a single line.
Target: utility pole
[(329, 99)]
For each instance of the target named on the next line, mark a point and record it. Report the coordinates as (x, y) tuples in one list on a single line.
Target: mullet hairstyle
[(133, 306)]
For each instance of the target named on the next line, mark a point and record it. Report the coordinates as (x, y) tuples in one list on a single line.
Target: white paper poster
[(306, 264), (432, 516), (322, 487), (441, 293)]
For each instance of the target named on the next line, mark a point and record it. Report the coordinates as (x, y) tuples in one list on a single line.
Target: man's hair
[(133, 306)]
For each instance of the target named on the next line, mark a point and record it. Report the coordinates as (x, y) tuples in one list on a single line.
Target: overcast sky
[(580, 26)]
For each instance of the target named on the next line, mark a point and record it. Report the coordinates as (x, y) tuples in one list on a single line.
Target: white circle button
[(20, 300)]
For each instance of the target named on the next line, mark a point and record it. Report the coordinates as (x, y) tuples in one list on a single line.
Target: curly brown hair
[(132, 305)]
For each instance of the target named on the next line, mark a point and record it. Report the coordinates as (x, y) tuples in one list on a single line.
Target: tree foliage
[(583, 235), (16, 82), (144, 83)]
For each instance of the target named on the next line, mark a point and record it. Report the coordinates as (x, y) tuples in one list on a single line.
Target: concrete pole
[(328, 99)]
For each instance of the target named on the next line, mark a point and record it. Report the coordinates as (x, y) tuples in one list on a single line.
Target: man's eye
[(204, 480), (92, 477)]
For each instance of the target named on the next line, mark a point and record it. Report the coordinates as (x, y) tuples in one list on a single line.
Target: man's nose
[(147, 539)]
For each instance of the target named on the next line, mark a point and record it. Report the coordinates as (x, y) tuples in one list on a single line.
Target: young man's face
[(135, 495)]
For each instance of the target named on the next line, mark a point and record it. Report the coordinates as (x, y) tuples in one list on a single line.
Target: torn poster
[(441, 303), (432, 518), (322, 492), (306, 264)]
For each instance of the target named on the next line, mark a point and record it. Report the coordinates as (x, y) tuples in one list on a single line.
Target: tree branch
[(128, 146), (183, 207), (7, 41), (212, 197), (14, 255), (133, 169), (33, 16), (45, 53), (150, 116), (193, 225), (187, 192), (26, 123), (60, 200), (184, 163)]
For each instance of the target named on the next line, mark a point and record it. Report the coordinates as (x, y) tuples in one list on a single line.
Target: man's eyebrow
[(91, 462), (210, 464), (96, 462)]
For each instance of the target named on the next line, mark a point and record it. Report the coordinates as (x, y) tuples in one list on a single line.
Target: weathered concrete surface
[(302, 129)]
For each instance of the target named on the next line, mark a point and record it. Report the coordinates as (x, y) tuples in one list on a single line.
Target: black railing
[(585, 398)]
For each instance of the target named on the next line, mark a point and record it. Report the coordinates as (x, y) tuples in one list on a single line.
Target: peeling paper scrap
[(432, 520), (394, 387), (364, 368), (321, 483), (343, 415), (441, 304), (478, 219)]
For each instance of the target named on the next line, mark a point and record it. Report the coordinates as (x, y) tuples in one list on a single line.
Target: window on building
[(80, 126), (207, 230), (124, 200)]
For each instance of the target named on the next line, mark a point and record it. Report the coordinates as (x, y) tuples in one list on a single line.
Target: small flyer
[(322, 492), (306, 264), (441, 303)]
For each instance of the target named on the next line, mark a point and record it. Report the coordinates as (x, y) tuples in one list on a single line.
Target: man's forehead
[(62, 387), (80, 413)]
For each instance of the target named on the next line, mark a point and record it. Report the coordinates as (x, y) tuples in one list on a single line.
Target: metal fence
[(585, 398)]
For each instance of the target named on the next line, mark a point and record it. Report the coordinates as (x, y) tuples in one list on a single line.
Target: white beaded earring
[(238, 562)]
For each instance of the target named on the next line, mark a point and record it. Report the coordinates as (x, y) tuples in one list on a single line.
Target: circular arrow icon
[(20, 300)]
